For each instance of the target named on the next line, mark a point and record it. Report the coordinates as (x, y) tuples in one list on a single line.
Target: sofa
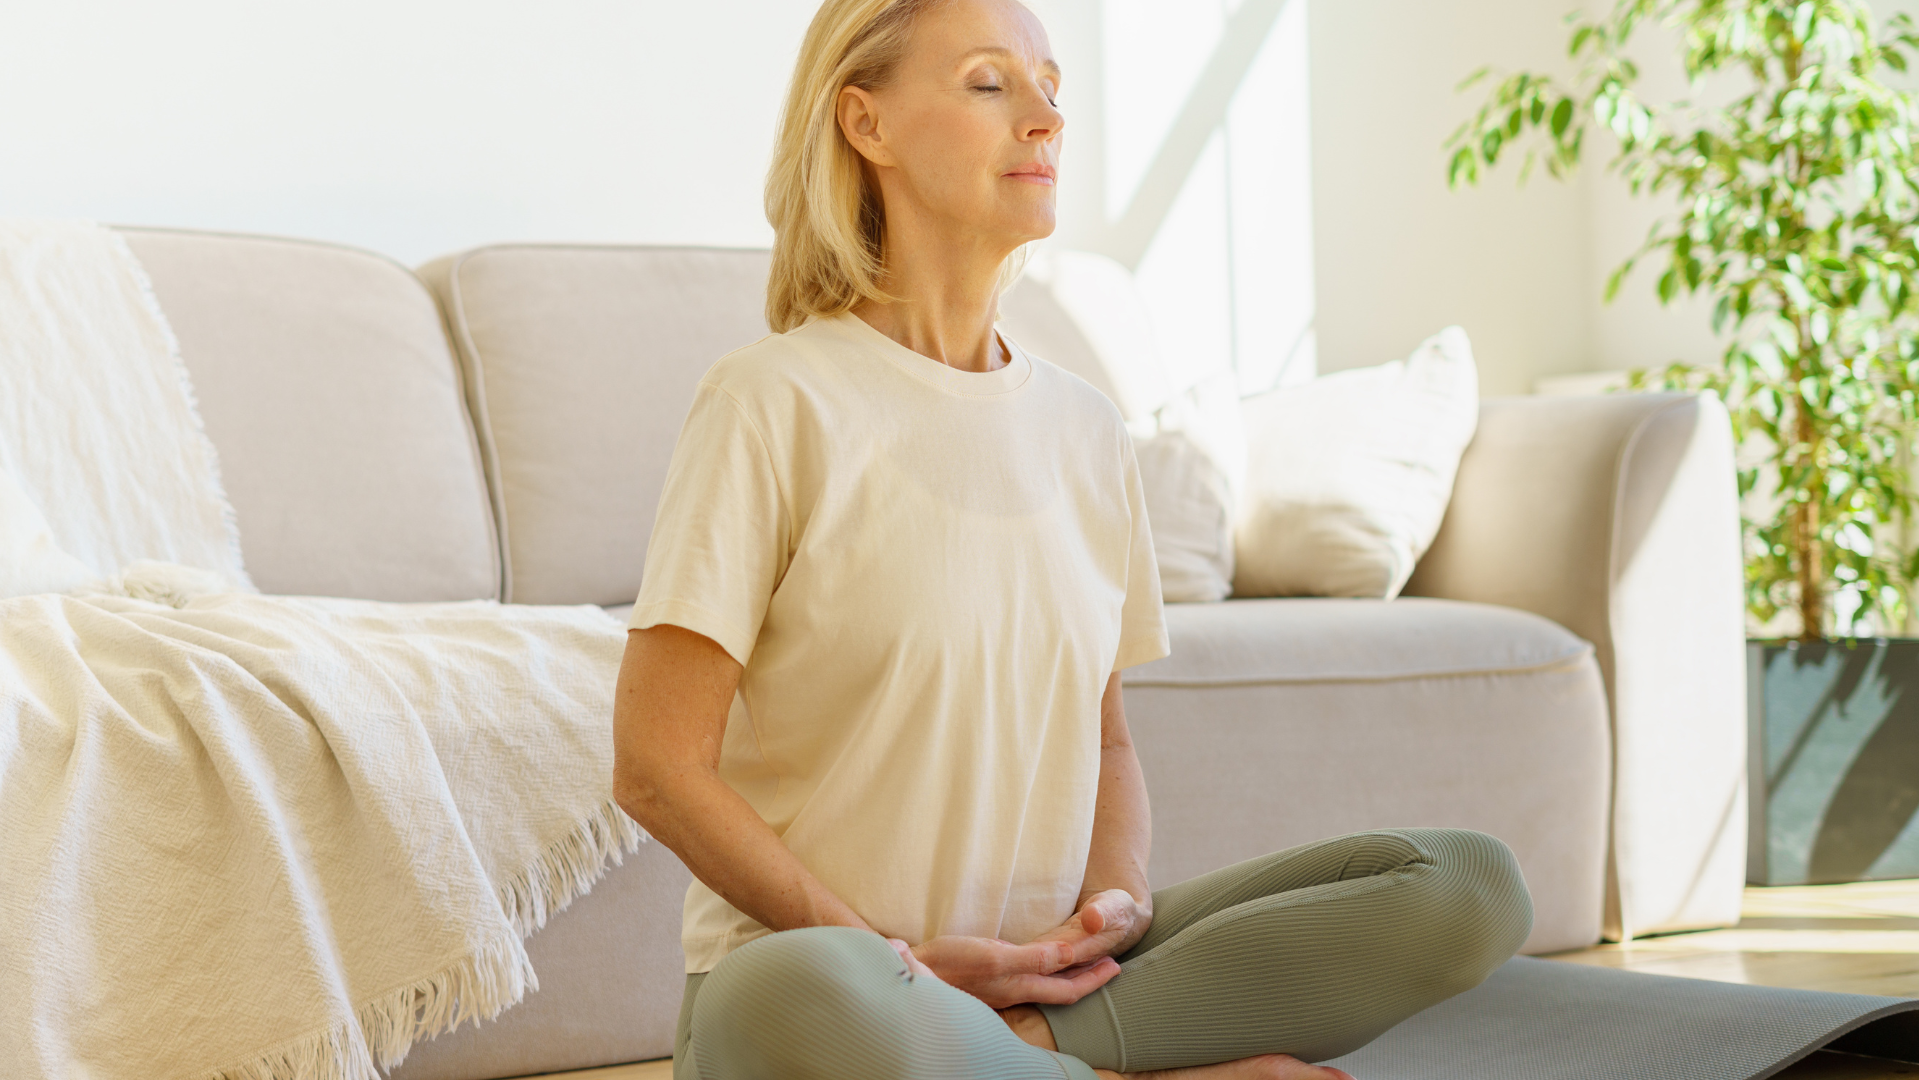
[(1565, 672)]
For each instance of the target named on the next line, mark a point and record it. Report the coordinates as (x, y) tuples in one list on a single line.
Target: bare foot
[(1030, 1025)]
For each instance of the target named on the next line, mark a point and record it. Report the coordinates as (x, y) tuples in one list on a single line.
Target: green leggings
[(1314, 951)]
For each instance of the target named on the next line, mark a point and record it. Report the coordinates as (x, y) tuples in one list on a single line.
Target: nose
[(1044, 121)]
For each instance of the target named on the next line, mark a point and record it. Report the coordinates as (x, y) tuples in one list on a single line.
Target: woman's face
[(967, 131)]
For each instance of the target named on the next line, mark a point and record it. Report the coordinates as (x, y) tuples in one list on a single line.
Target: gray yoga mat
[(1551, 1020)]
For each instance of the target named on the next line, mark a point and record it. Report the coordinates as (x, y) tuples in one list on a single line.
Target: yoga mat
[(1551, 1020)]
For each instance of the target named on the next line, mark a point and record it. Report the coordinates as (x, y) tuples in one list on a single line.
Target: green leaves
[(1517, 106), (1794, 207), (1562, 117)]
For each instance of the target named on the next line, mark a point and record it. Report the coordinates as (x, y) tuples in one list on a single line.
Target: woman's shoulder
[(768, 365), (1070, 392)]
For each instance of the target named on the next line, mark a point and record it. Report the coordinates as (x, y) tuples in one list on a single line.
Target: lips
[(1036, 173)]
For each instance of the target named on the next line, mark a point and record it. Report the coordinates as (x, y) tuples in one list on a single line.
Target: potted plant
[(1794, 210)]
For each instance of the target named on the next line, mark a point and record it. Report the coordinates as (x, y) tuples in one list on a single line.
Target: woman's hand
[(914, 969), (1003, 974), (1059, 967), (1107, 924)]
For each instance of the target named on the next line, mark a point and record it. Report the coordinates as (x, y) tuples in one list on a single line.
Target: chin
[(1028, 227)]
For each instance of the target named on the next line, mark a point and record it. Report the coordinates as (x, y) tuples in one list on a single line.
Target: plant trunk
[(1812, 579), (1805, 530)]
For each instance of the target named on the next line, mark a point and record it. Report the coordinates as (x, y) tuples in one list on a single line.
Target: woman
[(871, 696)]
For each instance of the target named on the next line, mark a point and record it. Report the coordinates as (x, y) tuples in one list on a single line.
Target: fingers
[(1114, 909), (1093, 917), (977, 965), (1067, 973), (1094, 932), (1042, 957), (1064, 989), (914, 967)]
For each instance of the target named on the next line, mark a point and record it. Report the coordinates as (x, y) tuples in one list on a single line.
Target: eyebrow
[(995, 50)]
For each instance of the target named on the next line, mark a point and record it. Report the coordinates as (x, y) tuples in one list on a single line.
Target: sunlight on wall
[(1271, 178), (1227, 268)]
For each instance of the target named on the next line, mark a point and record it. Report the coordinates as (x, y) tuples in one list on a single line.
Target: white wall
[(1398, 254), (421, 127), (414, 127), (1206, 176)]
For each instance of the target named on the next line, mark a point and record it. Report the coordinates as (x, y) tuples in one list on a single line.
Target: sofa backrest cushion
[(581, 364), (326, 383)]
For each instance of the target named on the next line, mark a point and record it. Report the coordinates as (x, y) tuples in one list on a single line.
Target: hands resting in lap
[(1059, 967), (1063, 965)]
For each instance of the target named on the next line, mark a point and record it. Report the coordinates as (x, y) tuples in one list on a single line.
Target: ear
[(859, 117)]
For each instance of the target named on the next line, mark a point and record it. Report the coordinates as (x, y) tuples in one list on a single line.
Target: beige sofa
[(1566, 675)]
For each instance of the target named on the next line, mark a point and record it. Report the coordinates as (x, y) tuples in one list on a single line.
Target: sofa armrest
[(1617, 517)]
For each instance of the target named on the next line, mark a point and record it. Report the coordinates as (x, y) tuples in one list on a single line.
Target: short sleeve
[(719, 541), (1142, 622)]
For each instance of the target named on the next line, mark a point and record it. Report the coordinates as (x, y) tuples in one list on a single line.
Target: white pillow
[(30, 561), (1084, 313), (1192, 461), (1348, 476)]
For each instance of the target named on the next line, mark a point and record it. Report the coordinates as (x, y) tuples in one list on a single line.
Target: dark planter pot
[(1833, 761)]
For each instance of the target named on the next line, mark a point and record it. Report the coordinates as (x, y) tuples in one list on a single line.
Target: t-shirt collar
[(1005, 380)]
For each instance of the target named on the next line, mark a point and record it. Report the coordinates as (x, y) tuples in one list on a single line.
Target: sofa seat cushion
[(1329, 641), (581, 364), (1278, 722), (327, 385), (1310, 640)]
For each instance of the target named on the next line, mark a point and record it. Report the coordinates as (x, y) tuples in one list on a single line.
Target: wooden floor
[(1853, 939), (1858, 939)]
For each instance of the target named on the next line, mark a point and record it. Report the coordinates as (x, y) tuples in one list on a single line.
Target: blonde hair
[(828, 225)]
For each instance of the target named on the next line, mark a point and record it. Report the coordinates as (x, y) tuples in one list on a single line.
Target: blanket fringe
[(334, 1054), (569, 868), (477, 986)]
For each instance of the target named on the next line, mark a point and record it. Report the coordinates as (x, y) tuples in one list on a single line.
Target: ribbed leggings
[(1313, 951)]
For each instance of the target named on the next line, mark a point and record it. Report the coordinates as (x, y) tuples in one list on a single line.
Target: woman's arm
[(669, 716), (1115, 907), (1122, 819)]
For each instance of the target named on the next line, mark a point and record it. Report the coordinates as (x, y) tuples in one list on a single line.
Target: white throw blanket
[(247, 837), (265, 837), (97, 422)]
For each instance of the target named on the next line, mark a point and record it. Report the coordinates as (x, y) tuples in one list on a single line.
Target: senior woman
[(871, 695)]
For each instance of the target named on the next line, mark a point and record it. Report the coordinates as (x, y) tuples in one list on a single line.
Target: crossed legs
[(1313, 952)]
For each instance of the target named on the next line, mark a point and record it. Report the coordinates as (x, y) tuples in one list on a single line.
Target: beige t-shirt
[(928, 575)]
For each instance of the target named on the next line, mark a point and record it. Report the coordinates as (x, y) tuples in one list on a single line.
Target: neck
[(946, 300)]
